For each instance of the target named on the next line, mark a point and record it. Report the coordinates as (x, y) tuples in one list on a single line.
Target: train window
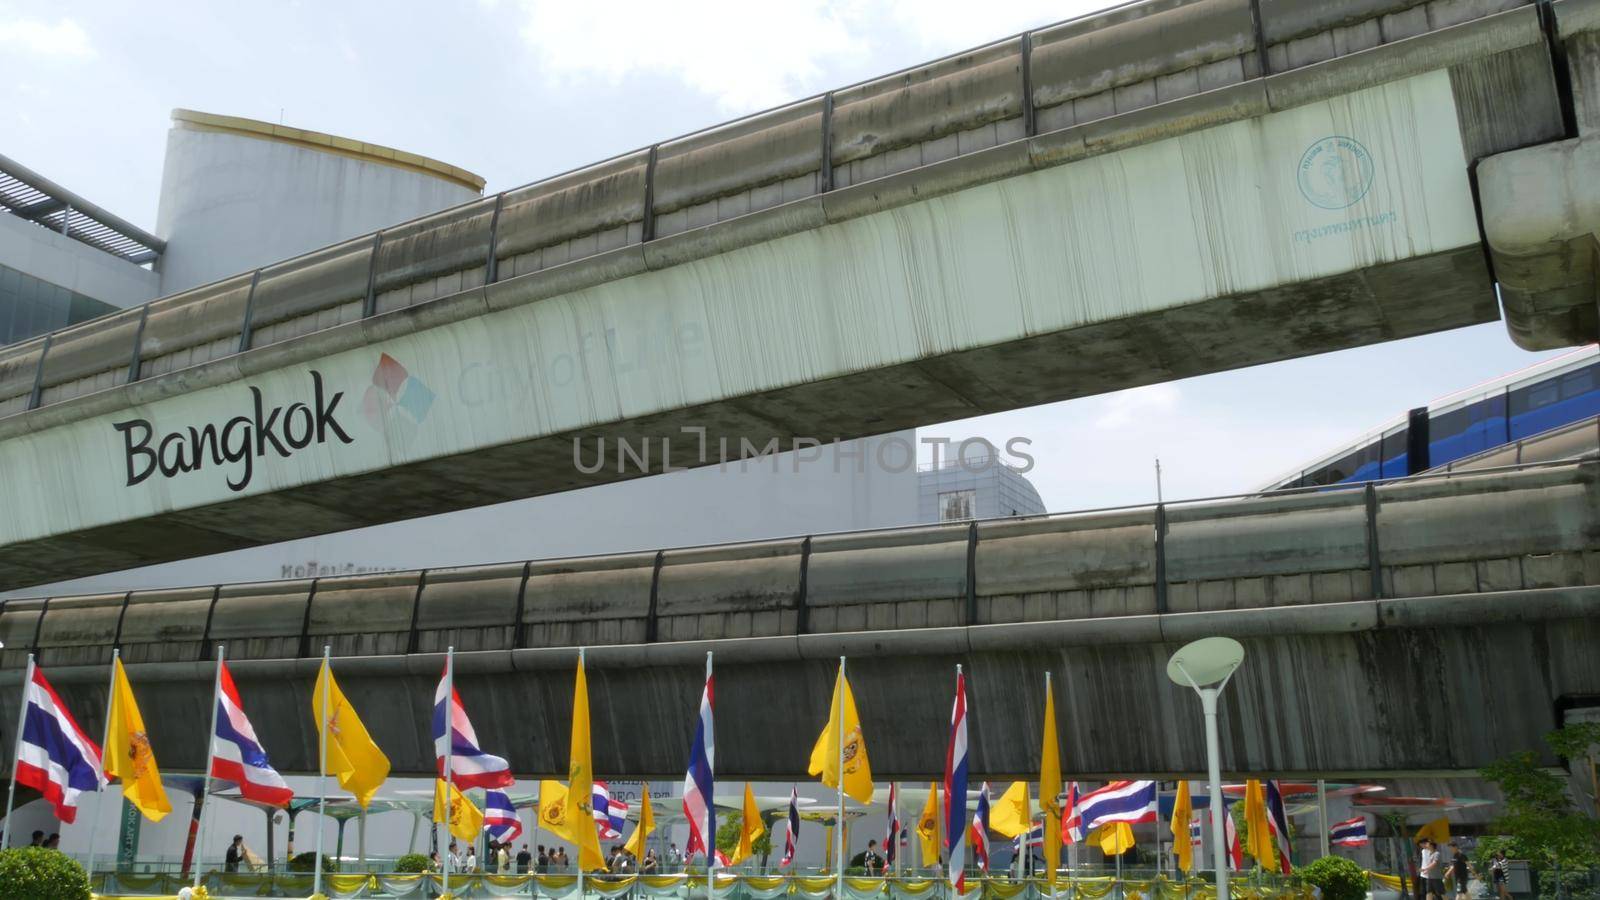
[(1575, 384), (1543, 394), (1450, 424)]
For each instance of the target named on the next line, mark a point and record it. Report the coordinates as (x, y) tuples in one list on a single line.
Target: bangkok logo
[(397, 402), (1335, 172)]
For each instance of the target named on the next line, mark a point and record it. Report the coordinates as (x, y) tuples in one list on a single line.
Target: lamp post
[(1206, 665)]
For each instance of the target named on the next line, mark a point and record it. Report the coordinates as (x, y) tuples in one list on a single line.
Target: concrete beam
[(1366, 687), (1541, 215)]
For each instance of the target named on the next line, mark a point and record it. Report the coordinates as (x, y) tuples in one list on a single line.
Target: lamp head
[(1205, 662)]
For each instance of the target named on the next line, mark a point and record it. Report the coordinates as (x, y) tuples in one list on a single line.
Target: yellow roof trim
[(328, 143)]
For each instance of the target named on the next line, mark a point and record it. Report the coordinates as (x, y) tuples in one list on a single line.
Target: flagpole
[(322, 771), (449, 775), (711, 801), (574, 804), (16, 753), (105, 738), (1322, 812), (838, 734), (211, 749), (1158, 830)]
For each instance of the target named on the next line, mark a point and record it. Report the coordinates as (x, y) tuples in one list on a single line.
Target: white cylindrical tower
[(237, 194)]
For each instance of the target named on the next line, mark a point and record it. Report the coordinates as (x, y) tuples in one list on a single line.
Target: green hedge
[(411, 862), (302, 862), (34, 873), (1338, 878)]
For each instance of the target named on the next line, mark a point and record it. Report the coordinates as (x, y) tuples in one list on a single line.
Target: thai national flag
[(980, 830), (955, 788), (1349, 833), (1120, 801), (236, 754), (699, 806), (1035, 839), (1231, 835), (470, 767), (792, 842), (500, 817), (891, 843), (1071, 821), (610, 813), (1279, 820), (54, 756)]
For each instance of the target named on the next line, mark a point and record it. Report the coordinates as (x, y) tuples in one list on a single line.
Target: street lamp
[(1206, 665)]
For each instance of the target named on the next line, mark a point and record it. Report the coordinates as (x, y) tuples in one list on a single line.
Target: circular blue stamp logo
[(1335, 172)]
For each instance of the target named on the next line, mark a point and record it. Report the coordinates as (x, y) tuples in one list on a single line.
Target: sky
[(519, 89)]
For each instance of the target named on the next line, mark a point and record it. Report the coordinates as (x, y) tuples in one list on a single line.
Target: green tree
[(302, 862), (1540, 823), (728, 837), (34, 873), (1338, 878)]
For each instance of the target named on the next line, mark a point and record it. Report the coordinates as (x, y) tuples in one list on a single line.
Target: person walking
[(1429, 871), (1461, 870), (1499, 870), (524, 859)]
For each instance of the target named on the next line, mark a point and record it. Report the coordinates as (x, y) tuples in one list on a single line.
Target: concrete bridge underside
[(1159, 191), (1370, 688), (1428, 625)]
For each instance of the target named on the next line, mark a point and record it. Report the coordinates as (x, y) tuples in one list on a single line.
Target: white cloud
[(747, 56), (65, 39), (1138, 404)]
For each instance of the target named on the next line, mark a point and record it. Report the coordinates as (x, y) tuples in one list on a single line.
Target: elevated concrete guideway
[(1376, 622), (1158, 191)]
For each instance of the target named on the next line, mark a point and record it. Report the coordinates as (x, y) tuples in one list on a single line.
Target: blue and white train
[(1548, 395)]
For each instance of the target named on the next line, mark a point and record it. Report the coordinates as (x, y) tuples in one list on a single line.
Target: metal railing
[(1040, 81)]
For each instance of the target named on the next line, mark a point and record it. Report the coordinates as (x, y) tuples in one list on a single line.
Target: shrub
[(1338, 878), (411, 862), (34, 873), (302, 862)]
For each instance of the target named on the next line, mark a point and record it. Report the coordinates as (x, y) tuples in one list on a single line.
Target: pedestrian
[(1499, 869), (543, 864), (470, 864), (433, 861), (524, 859), (53, 842), (1428, 870), (235, 854), (455, 857), (650, 864), (38, 839), (674, 857), (1461, 870), (503, 859)]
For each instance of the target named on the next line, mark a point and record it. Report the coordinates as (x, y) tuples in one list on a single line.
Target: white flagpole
[(16, 752), (838, 733), (1159, 870), (1322, 812), (211, 749), (573, 803), (105, 738), (322, 770), (711, 853), (449, 745)]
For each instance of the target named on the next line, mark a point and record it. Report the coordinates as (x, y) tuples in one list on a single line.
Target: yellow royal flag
[(127, 754), (928, 827), (553, 806), (580, 782), (1260, 843), (1011, 814), (647, 824), (1114, 839), (462, 816), (1438, 831), (825, 755), (750, 828), (350, 755), (1050, 787), (1182, 812)]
